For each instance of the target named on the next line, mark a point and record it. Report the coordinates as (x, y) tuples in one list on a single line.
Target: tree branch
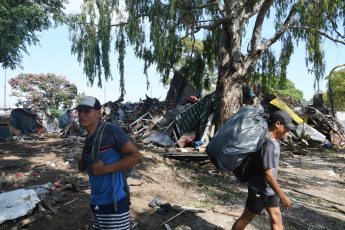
[(210, 26), (221, 10), (215, 3), (321, 32), (251, 10), (254, 54), (199, 27), (258, 24), (334, 24), (281, 31)]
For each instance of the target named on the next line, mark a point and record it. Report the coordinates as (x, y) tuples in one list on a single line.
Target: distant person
[(263, 188), (109, 203)]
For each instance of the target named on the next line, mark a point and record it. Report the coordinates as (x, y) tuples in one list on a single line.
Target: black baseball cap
[(282, 117), (89, 102)]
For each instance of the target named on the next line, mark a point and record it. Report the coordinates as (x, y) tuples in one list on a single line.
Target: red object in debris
[(20, 175), (191, 99), (185, 139), (34, 174), (40, 130)]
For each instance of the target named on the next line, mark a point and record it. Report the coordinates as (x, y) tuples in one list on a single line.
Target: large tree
[(156, 29), (45, 90), (20, 20)]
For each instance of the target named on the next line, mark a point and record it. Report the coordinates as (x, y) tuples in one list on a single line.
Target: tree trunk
[(229, 92)]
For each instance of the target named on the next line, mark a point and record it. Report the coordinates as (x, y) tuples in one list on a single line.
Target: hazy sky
[(54, 56)]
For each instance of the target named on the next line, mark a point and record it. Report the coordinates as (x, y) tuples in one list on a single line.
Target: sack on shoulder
[(239, 137), (247, 169)]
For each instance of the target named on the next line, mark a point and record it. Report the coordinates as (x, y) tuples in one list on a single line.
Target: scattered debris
[(179, 127), (18, 202), (174, 216)]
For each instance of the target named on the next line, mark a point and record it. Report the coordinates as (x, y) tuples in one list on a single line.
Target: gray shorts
[(257, 201)]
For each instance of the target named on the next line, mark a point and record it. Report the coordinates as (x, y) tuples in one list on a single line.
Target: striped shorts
[(105, 217)]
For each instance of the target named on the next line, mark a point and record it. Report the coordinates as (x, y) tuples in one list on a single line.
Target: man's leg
[(246, 217), (276, 218)]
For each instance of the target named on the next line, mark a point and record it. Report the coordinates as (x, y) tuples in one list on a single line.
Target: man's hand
[(81, 165), (286, 202), (98, 168)]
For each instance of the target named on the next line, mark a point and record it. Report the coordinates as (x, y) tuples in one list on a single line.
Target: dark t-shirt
[(267, 158)]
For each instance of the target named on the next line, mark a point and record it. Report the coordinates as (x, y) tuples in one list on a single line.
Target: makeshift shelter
[(192, 119), (180, 89), (25, 120)]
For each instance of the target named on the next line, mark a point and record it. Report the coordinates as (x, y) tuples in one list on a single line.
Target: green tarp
[(195, 117)]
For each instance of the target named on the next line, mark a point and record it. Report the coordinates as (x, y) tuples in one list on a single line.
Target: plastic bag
[(242, 134), (305, 130)]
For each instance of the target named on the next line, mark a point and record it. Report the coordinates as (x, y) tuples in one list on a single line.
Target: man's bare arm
[(286, 202), (132, 158)]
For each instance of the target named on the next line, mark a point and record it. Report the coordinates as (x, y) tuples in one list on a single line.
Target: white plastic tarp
[(304, 130), (158, 138), (17, 203)]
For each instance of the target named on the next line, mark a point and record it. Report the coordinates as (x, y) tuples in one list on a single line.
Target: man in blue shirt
[(109, 203), (263, 189)]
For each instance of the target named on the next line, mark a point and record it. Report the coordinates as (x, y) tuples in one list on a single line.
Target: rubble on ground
[(183, 119), (179, 127)]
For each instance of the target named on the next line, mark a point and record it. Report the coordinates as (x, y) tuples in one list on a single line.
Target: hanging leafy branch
[(19, 23)]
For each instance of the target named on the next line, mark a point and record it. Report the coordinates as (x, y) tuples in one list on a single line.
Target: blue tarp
[(24, 120), (4, 133)]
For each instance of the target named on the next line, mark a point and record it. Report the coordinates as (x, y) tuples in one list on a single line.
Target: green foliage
[(272, 84), (50, 91), (338, 89), (163, 34), (290, 91), (55, 112), (193, 67), (19, 22)]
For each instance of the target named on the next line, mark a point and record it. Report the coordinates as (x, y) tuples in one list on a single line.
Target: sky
[(53, 55)]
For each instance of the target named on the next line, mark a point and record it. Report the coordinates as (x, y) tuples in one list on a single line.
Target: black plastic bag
[(243, 134)]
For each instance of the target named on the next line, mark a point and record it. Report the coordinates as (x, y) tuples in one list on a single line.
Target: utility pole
[(330, 88), (5, 91)]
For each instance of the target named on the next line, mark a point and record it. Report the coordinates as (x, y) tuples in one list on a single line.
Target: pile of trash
[(37, 123), (190, 122), (183, 119), (314, 127)]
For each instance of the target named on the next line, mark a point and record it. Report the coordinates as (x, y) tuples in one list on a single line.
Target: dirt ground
[(201, 197)]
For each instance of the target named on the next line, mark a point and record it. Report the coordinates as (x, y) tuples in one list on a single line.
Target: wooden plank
[(233, 211), (185, 154), (318, 194)]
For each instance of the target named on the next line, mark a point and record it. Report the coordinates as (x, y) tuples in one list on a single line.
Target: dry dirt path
[(315, 183)]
